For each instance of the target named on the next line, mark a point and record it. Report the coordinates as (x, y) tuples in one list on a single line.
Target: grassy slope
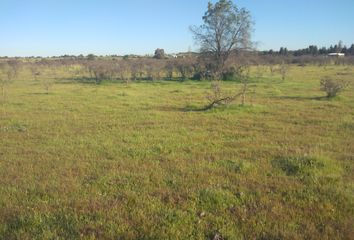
[(110, 161)]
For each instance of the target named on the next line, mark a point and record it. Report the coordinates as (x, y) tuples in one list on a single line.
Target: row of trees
[(314, 50), (106, 69)]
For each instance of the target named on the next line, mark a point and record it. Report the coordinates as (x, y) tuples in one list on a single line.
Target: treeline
[(313, 50)]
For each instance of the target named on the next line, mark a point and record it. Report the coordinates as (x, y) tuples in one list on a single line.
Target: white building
[(336, 54)]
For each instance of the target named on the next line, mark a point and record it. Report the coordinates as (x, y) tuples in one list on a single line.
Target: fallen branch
[(218, 98), (221, 101)]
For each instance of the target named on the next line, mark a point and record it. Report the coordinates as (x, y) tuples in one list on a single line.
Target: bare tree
[(226, 28), (9, 71), (134, 70), (283, 70), (97, 70), (153, 69), (185, 68), (140, 68), (259, 71), (244, 74), (149, 69), (169, 69), (15, 67), (124, 70), (48, 80), (3, 80), (35, 71), (272, 69)]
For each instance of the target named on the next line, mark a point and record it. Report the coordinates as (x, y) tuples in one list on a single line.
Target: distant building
[(186, 54), (336, 54)]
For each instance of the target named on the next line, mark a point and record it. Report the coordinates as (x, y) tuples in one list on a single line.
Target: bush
[(202, 75), (308, 168), (229, 75), (332, 87)]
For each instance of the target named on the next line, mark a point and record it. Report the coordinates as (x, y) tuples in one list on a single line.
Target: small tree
[(271, 69), (283, 70), (134, 70), (184, 68), (15, 67), (48, 81), (259, 71), (244, 75), (35, 71), (332, 87), (3, 80), (124, 71), (47, 84), (7, 74), (97, 70), (169, 69)]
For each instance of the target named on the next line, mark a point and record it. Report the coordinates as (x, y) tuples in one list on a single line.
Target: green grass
[(112, 161)]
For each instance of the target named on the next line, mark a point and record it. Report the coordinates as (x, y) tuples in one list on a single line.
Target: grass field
[(117, 161)]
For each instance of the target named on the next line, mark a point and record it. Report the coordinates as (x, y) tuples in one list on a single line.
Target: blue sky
[(57, 27)]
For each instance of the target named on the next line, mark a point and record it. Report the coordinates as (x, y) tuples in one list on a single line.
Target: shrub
[(308, 168), (230, 74), (332, 87), (202, 75)]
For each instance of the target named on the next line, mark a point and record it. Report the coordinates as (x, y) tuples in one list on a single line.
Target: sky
[(105, 27)]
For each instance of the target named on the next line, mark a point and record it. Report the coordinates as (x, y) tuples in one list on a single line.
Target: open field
[(117, 161)]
